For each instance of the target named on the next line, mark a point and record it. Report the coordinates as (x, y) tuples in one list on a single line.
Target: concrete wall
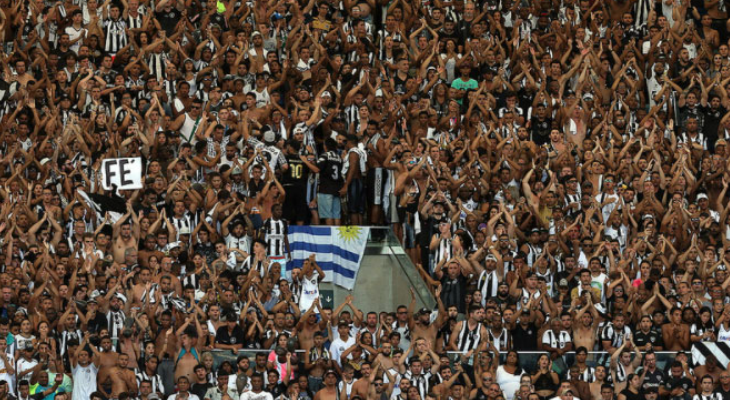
[(383, 281)]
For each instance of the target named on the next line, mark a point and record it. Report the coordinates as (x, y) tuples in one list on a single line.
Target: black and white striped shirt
[(420, 381), (134, 22), (156, 62), (156, 380), (443, 251), (713, 396), (487, 284), (614, 335), (183, 222), (588, 375), (116, 36), (275, 231), (250, 262), (500, 342), (69, 335), (533, 254), (116, 323), (469, 339), (556, 340)]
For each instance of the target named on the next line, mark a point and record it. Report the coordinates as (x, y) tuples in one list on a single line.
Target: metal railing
[(528, 359)]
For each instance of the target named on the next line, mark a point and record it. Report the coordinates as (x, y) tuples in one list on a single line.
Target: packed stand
[(555, 169)]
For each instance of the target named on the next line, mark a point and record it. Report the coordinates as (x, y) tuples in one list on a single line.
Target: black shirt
[(725, 394), (481, 395), (540, 130), (453, 292), (168, 19), (276, 390), (99, 322), (631, 396), (199, 389), (652, 379), (712, 124), (330, 176), (223, 337), (681, 382), (653, 337), (298, 172), (524, 339)]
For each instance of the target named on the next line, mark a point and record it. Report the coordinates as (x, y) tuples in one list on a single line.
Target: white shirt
[(24, 365), (256, 396), (190, 396), (84, 381), (72, 35), (4, 375), (233, 386), (556, 340), (339, 346), (310, 291)]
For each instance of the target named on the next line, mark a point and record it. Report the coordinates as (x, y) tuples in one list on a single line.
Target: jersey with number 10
[(297, 174)]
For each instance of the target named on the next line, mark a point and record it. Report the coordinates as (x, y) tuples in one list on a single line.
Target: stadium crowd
[(556, 170)]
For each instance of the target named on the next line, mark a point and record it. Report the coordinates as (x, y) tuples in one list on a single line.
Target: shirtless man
[(166, 340), (597, 385), (126, 233), (107, 357), (149, 250), (166, 267), (444, 389), (711, 367), (361, 386), (329, 391), (50, 209), (422, 326), (621, 366), (142, 288), (384, 357), (187, 356), (23, 77), (109, 380), (675, 334), (317, 361), (585, 331), (120, 378), (377, 386)]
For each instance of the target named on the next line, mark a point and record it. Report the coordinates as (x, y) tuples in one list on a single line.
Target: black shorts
[(356, 197), (295, 204)]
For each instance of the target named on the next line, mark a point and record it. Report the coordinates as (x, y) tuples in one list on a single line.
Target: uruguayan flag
[(338, 250)]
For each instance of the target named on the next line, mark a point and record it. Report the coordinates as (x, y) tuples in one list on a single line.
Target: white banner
[(125, 173)]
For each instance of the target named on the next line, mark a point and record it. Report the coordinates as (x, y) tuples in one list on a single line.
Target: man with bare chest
[(422, 326), (187, 357), (308, 326), (108, 381), (317, 361), (119, 378), (126, 234), (329, 391), (360, 387)]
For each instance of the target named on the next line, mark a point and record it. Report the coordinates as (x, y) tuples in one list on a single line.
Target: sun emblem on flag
[(349, 233)]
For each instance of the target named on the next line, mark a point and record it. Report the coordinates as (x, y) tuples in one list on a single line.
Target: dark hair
[(330, 144)]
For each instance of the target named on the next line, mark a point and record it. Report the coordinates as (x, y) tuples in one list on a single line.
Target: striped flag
[(338, 250), (721, 351), (112, 204)]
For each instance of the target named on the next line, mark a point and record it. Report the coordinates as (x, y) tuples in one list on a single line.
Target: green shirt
[(464, 85), (461, 84)]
